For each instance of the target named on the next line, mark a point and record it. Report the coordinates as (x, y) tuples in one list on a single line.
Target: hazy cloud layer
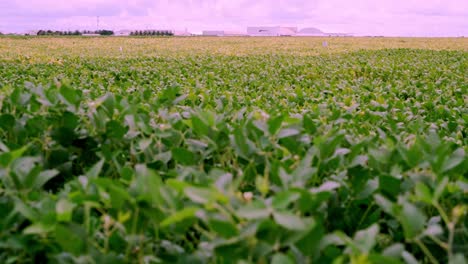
[(361, 17)]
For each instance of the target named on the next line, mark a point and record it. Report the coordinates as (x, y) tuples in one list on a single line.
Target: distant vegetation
[(58, 33), (74, 33), (104, 32), (152, 33)]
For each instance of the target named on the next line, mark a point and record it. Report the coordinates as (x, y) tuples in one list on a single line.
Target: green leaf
[(412, 156), (114, 129), (386, 205), (126, 173), (224, 228), (283, 199), (203, 195), (8, 157), (309, 124), (38, 229), (458, 258), (118, 194), (64, 210), (44, 177), (25, 210), (457, 157), (71, 96), (199, 127), (304, 171), (310, 242), (288, 132), (253, 211), (409, 258), (440, 188), (147, 185), (423, 193), (240, 143), (291, 221), (94, 172), (280, 258), (7, 121), (186, 213), (434, 230), (382, 259), (274, 124), (27, 170), (412, 220), (389, 185), (3, 147), (183, 156), (71, 238), (327, 186), (394, 250), (366, 239), (177, 185)]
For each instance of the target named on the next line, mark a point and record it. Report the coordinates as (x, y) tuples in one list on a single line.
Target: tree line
[(152, 33), (104, 32)]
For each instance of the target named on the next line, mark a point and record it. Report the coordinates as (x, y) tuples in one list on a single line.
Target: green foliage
[(105, 32), (152, 33), (58, 33), (351, 158)]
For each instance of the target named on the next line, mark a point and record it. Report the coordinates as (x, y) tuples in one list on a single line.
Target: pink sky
[(360, 17)]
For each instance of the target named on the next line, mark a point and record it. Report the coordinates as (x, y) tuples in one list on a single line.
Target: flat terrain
[(89, 47), (233, 150)]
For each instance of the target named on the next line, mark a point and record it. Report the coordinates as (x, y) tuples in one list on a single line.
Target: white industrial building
[(271, 31), (311, 32), (338, 34), (213, 33), (182, 33), (234, 34), (123, 32)]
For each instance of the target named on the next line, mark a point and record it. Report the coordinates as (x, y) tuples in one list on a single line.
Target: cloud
[(54, 8), (363, 17)]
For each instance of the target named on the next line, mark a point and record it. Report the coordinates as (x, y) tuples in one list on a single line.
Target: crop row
[(356, 158)]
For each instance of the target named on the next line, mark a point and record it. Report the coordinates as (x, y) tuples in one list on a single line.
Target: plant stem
[(134, 224), (426, 251), (442, 213), (87, 216), (450, 227), (439, 242), (365, 215)]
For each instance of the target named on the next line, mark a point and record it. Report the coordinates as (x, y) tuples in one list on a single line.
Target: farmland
[(233, 150)]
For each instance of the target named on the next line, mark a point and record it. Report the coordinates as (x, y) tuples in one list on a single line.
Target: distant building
[(311, 32), (262, 31), (271, 31), (213, 33), (338, 34), (183, 33), (234, 34), (123, 32), (287, 31)]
